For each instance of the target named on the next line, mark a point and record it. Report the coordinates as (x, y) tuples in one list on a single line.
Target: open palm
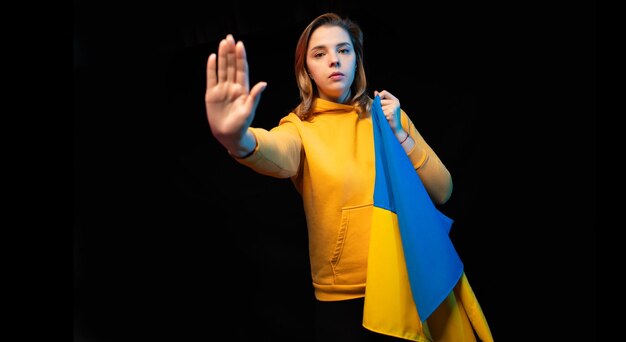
[(230, 105)]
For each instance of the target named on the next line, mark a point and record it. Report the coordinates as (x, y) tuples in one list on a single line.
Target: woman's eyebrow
[(344, 44)]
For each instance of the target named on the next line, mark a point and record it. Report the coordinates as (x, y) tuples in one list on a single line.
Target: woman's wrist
[(245, 147), (402, 136)]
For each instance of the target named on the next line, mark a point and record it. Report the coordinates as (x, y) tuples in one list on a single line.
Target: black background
[(174, 240)]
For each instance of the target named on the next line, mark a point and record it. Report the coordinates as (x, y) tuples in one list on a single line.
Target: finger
[(388, 104), (255, 95), (211, 78), (387, 95), (375, 93), (230, 57), (242, 66), (221, 62)]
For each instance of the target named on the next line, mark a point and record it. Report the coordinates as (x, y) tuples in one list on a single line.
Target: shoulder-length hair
[(309, 92)]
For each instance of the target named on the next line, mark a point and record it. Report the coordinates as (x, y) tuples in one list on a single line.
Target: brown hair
[(308, 93)]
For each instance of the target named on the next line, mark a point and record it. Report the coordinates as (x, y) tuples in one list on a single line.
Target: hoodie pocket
[(349, 259)]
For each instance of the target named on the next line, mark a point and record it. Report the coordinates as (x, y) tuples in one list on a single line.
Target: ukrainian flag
[(416, 287)]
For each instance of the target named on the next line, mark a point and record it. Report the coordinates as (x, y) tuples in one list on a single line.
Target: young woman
[(325, 145)]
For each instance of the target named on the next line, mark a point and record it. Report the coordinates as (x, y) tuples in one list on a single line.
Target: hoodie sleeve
[(433, 173), (277, 152)]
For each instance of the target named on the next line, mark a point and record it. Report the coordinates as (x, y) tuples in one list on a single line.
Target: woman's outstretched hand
[(230, 104)]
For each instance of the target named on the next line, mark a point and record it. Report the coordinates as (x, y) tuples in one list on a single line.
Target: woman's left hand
[(391, 108)]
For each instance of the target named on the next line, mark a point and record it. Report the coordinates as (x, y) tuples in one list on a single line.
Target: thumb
[(375, 93), (255, 95)]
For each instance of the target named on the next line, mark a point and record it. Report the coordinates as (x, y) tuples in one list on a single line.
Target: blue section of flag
[(433, 265)]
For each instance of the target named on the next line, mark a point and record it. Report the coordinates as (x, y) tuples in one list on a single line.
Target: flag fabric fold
[(412, 264)]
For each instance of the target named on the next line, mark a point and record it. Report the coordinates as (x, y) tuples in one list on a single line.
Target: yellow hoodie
[(330, 159)]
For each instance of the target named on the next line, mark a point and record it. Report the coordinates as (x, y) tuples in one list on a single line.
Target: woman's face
[(331, 62)]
